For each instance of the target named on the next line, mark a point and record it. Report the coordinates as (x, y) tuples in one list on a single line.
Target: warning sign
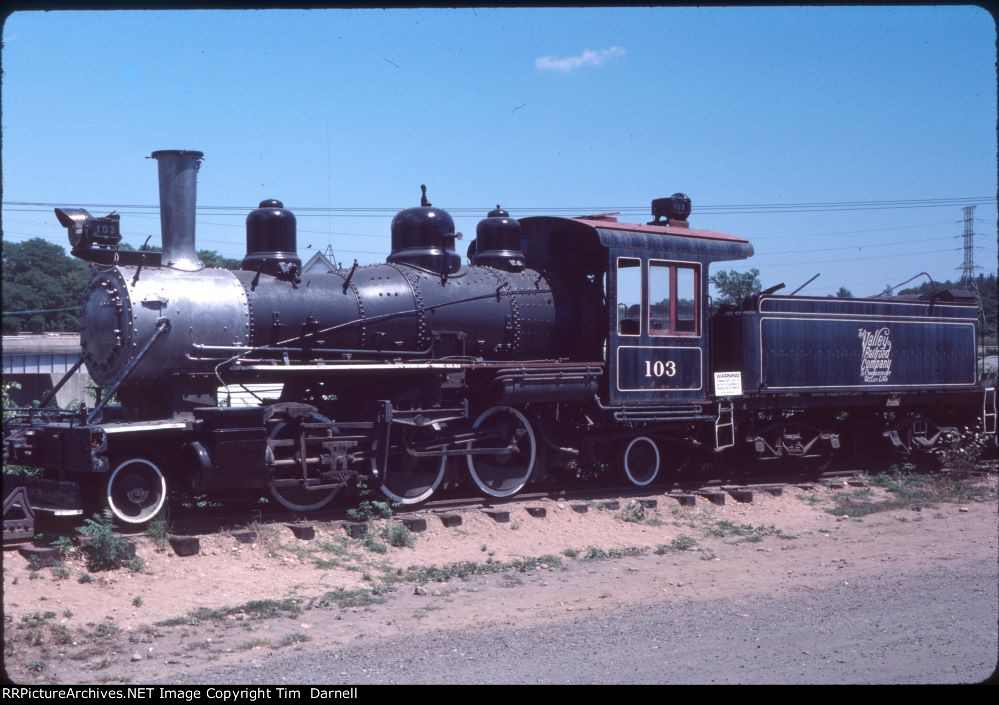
[(728, 384)]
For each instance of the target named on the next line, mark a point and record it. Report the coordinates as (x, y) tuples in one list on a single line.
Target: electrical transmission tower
[(968, 269)]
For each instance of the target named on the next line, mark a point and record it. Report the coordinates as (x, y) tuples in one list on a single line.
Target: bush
[(633, 513), (108, 550), (398, 535), (960, 452), (158, 528), (368, 510), (65, 546)]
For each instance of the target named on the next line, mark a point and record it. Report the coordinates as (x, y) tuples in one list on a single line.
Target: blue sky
[(579, 110)]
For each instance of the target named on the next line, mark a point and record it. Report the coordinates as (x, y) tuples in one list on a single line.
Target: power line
[(895, 255), (731, 209), (381, 235), (854, 232), (864, 245)]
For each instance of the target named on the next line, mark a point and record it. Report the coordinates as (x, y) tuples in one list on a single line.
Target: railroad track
[(214, 519), (199, 521)]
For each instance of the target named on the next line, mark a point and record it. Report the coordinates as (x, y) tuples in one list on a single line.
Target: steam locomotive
[(564, 344)]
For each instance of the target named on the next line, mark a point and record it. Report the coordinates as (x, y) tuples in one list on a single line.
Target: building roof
[(318, 263)]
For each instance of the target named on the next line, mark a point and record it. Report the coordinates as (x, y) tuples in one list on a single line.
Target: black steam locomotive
[(564, 344)]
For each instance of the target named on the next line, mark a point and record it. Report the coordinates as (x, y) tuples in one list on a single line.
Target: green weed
[(372, 544), (338, 547), (961, 451), (157, 529), (295, 638), (462, 570), (255, 609), (108, 550), (35, 619), (398, 535), (680, 543), (598, 554), (633, 513), (65, 546), (746, 532), (636, 513), (104, 630), (349, 598), (369, 509), (252, 644), (908, 490)]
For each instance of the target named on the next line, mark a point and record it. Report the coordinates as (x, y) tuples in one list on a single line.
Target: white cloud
[(589, 57)]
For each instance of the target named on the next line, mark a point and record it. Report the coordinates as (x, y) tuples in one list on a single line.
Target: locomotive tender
[(564, 343)]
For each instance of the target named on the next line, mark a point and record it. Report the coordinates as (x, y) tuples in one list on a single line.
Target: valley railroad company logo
[(875, 348)]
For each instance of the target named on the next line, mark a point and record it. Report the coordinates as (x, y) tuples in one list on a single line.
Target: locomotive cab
[(655, 323)]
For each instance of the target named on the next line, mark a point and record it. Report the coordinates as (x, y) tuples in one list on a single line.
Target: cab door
[(656, 330)]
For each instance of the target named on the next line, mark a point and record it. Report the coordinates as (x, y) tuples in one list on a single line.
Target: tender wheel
[(640, 461), (820, 456), (797, 446), (296, 497), (503, 475), (408, 480), (136, 490)]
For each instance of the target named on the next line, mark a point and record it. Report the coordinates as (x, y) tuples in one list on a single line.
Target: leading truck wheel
[(136, 490), (503, 474), (640, 461)]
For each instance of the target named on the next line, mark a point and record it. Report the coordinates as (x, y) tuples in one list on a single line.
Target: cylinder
[(178, 172)]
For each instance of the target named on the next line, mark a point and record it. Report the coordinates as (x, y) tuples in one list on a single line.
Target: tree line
[(733, 286), (43, 286)]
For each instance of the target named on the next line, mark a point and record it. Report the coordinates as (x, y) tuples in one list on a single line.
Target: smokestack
[(178, 196)]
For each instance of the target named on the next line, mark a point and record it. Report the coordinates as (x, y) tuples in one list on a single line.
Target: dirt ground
[(236, 602)]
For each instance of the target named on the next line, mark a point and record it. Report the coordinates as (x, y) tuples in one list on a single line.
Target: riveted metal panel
[(860, 353), (281, 311), (383, 291), (122, 305)]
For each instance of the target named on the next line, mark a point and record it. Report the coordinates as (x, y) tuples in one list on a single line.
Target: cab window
[(629, 296), (674, 305)]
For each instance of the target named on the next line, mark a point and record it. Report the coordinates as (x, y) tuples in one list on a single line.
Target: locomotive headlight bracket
[(85, 230), (75, 220)]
